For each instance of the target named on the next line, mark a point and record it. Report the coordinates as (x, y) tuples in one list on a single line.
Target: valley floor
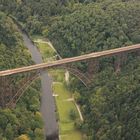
[(63, 97)]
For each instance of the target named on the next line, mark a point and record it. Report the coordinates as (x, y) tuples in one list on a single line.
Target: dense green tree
[(38, 134), (111, 109), (111, 105), (9, 132), (23, 137), (15, 122), (72, 114), (96, 27)]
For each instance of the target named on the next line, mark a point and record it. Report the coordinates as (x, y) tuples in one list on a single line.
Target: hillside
[(111, 104), (15, 123)]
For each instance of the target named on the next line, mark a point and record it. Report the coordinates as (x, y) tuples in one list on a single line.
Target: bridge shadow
[(55, 136)]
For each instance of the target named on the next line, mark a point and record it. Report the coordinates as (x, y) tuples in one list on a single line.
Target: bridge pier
[(117, 63), (120, 61), (2, 101), (93, 67), (77, 73), (138, 53), (5, 91)]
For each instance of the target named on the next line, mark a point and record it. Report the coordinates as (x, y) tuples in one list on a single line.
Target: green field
[(67, 129), (47, 53)]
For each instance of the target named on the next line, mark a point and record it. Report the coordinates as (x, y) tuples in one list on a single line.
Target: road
[(93, 55), (47, 101)]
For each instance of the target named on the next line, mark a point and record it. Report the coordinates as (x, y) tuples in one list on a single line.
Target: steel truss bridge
[(11, 93)]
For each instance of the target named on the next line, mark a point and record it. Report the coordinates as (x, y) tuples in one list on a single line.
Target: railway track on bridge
[(93, 55)]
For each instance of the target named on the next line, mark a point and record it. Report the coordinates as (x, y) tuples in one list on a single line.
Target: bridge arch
[(12, 103), (78, 74), (14, 100), (62, 63)]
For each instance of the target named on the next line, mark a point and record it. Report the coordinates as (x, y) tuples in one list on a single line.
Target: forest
[(111, 105), (16, 124)]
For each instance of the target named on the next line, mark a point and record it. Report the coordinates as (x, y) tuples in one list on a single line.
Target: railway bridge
[(11, 90)]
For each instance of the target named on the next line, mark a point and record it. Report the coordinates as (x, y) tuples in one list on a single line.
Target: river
[(47, 100)]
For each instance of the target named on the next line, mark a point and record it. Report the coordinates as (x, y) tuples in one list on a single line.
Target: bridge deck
[(70, 60)]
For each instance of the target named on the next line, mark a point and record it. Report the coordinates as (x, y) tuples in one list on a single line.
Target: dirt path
[(79, 111)]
